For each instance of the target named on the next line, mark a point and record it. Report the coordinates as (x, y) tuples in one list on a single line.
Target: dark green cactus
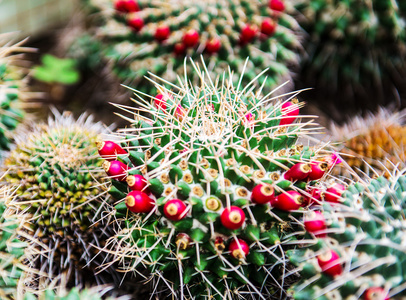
[(211, 188), (366, 230)]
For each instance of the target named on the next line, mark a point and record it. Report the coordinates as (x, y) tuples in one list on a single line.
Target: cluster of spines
[(95, 293)]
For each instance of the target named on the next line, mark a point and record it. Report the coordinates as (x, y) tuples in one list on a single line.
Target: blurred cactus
[(96, 293), (61, 195), (212, 178), (362, 254), (142, 36), (355, 51)]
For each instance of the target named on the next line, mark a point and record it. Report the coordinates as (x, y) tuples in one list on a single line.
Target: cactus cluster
[(359, 250), (140, 36), (61, 196), (213, 180), (355, 50)]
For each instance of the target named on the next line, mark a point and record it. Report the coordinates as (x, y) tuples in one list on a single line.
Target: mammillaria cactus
[(141, 36), (211, 184), (60, 195), (361, 252), (355, 51)]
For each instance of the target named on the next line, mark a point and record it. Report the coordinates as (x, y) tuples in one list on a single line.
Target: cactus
[(212, 178), (95, 293), (355, 51), (375, 142), (61, 196), (141, 36), (361, 254)]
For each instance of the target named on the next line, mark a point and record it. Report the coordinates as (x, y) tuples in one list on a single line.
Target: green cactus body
[(367, 231), (225, 32), (60, 194), (204, 158)]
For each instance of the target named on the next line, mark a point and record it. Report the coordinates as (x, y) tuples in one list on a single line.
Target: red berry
[(126, 6), (268, 27), (179, 49), (277, 5), (290, 111), (175, 209), (299, 171), (334, 193), (248, 33), (238, 248), (190, 38), (376, 293), (160, 102), (109, 150), (116, 169), (139, 202), (137, 183), (213, 46), (316, 195), (289, 200), (135, 23), (329, 263), (318, 169), (315, 223), (232, 218), (263, 193), (162, 33)]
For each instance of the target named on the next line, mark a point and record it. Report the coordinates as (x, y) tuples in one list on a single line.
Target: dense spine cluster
[(97, 293), (359, 250), (141, 36), (211, 181), (61, 196)]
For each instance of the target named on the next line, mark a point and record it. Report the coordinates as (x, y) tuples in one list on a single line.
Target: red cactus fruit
[(334, 193), (238, 248), (139, 202), (329, 263), (179, 49), (376, 293), (213, 46), (268, 27), (162, 33), (318, 169), (315, 223), (232, 218), (160, 102), (135, 23), (277, 5), (190, 38), (175, 209), (116, 169), (137, 183), (126, 6), (183, 241), (299, 171), (109, 150), (316, 195), (289, 200), (290, 110), (263, 193), (248, 33)]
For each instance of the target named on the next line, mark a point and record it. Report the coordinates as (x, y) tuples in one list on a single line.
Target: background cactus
[(61, 196), (142, 36), (355, 53), (213, 181), (362, 255), (95, 293)]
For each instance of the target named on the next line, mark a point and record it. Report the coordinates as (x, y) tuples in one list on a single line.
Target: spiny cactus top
[(362, 253), (143, 35), (355, 49), (60, 193), (212, 178)]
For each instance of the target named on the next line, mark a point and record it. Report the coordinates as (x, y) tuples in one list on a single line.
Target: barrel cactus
[(61, 196), (211, 180), (140, 36), (357, 251), (355, 51)]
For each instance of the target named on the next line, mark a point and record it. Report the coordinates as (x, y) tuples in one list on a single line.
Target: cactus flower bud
[(263, 193), (213, 46), (233, 217), (109, 150), (290, 110), (135, 23), (160, 102), (299, 171), (376, 293), (318, 169), (219, 244), (289, 200), (213, 203), (334, 193), (162, 33), (268, 27), (139, 202), (183, 241), (315, 223), (137, 183), (190, 38), (248, 33), (116, 169), (175, 209), (238, 248), (329, 263), (126, 6)]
